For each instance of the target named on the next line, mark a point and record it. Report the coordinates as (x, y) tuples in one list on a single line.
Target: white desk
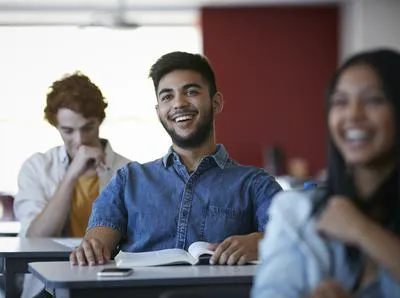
[(65, 280), (18, 252), (9, 228)]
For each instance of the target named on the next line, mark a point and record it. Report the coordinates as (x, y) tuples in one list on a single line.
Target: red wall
[(272, 66)]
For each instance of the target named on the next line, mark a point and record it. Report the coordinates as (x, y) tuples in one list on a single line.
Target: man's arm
[(96, 247), (51, 220), (31, 199)]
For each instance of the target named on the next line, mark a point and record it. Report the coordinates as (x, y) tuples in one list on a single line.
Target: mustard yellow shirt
[(86, 191)]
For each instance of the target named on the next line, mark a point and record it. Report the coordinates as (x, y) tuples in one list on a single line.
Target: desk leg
[(11, 268), (212, 290), (62, 293)]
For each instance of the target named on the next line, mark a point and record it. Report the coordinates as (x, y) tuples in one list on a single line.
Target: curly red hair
[(77, 93)]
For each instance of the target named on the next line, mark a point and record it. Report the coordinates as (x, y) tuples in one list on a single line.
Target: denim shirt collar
[(220, 157)]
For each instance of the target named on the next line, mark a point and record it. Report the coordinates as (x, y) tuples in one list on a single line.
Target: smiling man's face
[(185, 108)]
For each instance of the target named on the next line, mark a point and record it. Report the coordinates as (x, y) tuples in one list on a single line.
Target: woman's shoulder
[(296, 204)]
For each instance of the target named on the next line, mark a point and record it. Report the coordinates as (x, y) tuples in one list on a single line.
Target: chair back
[(6, 207)]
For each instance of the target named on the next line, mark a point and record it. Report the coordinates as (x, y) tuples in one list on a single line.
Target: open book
[(198, 253)]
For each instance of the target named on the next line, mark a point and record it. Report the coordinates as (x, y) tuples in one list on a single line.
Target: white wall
[(118, 61), (369, 24)]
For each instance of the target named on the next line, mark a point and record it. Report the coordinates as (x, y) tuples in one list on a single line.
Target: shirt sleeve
[(31, 197), (109, 208), (389, 286), (293, 257), (265, 189)]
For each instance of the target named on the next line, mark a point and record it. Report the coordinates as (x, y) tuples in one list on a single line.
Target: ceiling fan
[(115, 18)]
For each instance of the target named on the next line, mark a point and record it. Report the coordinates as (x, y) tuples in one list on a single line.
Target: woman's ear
[(218, 102)]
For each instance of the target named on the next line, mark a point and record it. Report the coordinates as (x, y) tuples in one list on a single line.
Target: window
[(118, 61)]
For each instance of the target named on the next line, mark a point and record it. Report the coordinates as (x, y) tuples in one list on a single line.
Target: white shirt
[(295, 258), (40, 175), (38, 180)]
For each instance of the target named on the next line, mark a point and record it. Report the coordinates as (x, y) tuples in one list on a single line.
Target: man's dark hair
[(183, 61)]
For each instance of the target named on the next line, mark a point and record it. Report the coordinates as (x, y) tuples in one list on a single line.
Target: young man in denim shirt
[(194, 193)]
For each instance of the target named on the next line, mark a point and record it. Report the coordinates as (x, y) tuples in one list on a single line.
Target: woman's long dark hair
[(386, 65)]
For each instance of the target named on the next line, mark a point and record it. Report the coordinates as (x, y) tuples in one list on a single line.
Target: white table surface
[(14, 247), (18, 252), (10, 227), (60, 274)]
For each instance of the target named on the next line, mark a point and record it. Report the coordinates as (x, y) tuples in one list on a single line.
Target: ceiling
[(120, 12)]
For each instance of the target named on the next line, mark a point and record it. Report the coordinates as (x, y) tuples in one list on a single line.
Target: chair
[(9, 226), (6, 207), (6, 215)]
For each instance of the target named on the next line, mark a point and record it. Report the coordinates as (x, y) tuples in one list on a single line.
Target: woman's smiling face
[(361, 119)]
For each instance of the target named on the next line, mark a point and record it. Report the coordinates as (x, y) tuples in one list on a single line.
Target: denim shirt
[(295, 258), (160, 205)]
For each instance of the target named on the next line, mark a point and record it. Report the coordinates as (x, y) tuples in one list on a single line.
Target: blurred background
[(272, 58)]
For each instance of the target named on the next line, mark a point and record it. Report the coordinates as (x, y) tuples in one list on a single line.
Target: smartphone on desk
[(115, 272)]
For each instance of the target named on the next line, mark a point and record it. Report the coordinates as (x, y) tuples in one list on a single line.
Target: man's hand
[(236, 250), (341, 220), (328, 289), (91, 251), (86, 158)]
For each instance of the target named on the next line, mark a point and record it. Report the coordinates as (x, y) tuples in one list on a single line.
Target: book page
[(196, 249), (154, 258)]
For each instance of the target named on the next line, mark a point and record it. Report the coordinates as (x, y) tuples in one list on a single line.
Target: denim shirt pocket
[(138, 226), (222, 222)]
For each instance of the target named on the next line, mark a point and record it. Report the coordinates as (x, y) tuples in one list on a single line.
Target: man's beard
[(198, 137)]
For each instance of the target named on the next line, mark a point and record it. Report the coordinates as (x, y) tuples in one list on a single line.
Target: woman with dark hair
[(343, 239)]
